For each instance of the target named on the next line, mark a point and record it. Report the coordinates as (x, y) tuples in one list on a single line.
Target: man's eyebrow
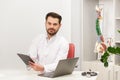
[(55, 23), (49, 22)]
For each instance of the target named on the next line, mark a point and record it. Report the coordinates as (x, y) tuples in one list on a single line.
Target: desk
[(32, 75)]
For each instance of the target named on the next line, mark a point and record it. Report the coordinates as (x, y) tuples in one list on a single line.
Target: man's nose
[(51, 26)]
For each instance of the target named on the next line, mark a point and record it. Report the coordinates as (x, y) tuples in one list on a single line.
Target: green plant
[(118, 31), (109, 51)]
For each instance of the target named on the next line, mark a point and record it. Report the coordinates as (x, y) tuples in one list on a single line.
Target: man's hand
[(36, 66)]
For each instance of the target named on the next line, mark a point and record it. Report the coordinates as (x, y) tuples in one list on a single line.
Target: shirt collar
[(51, 39)]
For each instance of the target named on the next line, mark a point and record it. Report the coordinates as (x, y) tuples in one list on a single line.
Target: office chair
[(71, 51)]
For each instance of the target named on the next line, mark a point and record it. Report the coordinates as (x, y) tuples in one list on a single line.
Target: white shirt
[(49, 52)]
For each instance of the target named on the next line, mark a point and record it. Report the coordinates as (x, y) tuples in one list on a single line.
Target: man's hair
[(54, 15)]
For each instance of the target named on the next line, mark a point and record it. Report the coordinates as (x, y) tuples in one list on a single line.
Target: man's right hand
[(36, 67)]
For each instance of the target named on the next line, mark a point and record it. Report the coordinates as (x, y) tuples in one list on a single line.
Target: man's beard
[(51, 31)]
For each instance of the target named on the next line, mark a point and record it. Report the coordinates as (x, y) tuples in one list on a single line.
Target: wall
[(89, 30), (21, 21), (108, 17), (76, 28)]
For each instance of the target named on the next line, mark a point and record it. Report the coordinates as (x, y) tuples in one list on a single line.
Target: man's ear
[(60, 24), (45, 23)]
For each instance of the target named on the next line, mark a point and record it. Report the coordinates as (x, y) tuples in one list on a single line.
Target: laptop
[(64, 67)]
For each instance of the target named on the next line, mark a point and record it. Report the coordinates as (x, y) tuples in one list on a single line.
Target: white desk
[(31, 75)]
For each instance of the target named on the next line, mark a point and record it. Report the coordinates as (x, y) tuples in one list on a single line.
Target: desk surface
[(31, 75)]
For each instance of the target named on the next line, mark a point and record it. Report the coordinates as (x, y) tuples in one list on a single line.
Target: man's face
[(52, 25)]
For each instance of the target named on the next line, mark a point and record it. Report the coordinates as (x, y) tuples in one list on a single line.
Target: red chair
[(71, 51)]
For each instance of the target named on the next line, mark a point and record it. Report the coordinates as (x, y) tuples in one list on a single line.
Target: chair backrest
[(71, 51)]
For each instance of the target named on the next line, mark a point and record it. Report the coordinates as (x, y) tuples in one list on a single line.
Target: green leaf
[(118, 30), (112, 50), (106, 64), (118, 50), (101, 59)]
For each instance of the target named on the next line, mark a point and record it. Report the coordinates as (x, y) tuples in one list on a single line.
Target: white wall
[(76, 29), (22, 20), (89, 31), (108, 16)]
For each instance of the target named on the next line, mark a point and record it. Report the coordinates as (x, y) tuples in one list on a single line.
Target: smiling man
[(47, 49)]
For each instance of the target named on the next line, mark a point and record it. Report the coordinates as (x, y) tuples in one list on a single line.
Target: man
[(48, 49)]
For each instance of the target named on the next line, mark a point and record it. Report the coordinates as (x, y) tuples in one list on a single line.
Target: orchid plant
[(109, 51)]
